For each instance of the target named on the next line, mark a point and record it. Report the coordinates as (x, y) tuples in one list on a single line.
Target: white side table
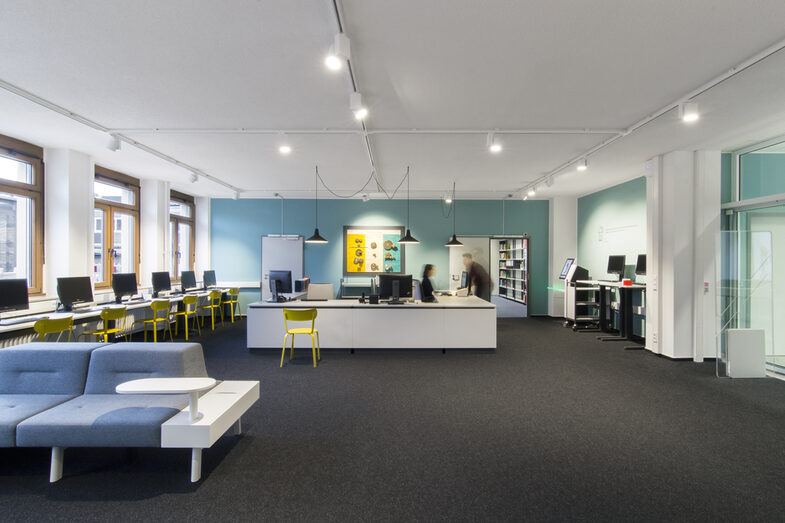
[(190, 386)]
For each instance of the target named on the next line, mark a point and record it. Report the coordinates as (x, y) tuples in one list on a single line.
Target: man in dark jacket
[(479, 281)]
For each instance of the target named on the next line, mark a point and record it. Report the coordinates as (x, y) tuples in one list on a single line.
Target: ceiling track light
[(688, 112), (531, 192), (357, 107), (492, 144), (583, 165), (339, 52), (194, 177), (114, 143), (549, 181)]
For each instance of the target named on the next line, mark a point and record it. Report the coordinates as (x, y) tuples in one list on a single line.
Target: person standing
[(479, 280), (427, 286)]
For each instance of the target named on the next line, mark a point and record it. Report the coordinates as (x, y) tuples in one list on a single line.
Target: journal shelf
[(514, 269)]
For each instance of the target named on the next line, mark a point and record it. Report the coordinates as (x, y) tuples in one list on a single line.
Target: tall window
[(181, 233), (115, 225), (21, 212)]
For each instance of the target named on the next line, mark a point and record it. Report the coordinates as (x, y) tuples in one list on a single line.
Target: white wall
[(154, 229), (562, 244), (202, 235)]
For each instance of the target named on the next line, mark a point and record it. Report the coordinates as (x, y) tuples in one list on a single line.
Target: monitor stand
[(396, 294)]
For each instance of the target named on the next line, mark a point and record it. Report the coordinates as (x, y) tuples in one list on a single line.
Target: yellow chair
[(301, 315), (213, 302), (119, 316), (161, 313), (187, 311), (54, 325), (232, 298)]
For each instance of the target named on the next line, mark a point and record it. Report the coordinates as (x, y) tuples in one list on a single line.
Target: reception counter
[(452, 323)]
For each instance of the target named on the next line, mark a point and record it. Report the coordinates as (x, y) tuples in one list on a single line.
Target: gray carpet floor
[(553, 425)]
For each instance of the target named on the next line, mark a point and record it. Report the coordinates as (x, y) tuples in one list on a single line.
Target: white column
[(562, 244), (202, 234), (154, 226), (708, 200), (683, 217), (68, 222)]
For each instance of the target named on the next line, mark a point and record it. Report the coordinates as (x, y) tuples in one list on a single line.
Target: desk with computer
[(577, 282), (75, 296)]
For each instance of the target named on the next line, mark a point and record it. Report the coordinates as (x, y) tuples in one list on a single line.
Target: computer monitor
[(616, 264), (285, 277), (640, 265), (161, 282), (188, 280), (13, 295), (464, 279), (123, 284), (71, 291), (386, 285), (208, 279), (566, 269)]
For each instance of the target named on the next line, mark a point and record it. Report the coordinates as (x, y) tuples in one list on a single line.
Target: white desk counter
[(452, 323)]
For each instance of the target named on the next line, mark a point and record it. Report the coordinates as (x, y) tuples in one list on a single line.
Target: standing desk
[(626, 312)]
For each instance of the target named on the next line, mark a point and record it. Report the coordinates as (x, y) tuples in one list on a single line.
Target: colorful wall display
[(372, 250)]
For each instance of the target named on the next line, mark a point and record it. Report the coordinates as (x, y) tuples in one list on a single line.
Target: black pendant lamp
[(316, 238), (408, 238), (454, 242)]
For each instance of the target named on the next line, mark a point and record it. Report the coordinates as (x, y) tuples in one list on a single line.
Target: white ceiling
[(447, 65)]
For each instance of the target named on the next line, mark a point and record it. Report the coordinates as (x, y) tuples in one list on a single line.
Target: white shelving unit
[(513, 269)]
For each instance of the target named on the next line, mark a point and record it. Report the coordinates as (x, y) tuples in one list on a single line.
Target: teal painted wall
[(762, 174), (727, 181), (612, 221), (237, 226)]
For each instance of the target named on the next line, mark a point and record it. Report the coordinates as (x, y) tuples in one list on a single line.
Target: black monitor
[(209, 279), (566, 269), (71, 291), (386, 285), (123, 284), (188, 280), (285, 277), (464, 279), (640, 265), (161, 282), (13, 295), (616, 264)]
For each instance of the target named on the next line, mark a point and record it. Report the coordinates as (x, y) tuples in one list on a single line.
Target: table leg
[(56, 466), (193, 406), (196, 465)]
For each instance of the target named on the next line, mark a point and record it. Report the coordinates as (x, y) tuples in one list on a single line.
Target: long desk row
[(452, 323), (18, 329)]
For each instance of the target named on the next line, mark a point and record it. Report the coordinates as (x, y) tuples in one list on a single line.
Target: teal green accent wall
[(236, 228), (612, 221), (762, 174), (727, 177)]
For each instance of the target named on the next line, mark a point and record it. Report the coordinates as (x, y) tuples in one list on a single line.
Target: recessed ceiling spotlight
[(285, 149), (339, 52), (688, 112), (493, 145), (583, 165), (357, 107), (114, 143)]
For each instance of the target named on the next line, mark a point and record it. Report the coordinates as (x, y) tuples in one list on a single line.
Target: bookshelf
[(514, 269)]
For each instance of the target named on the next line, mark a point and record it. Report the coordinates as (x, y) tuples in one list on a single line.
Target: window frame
[(109, 208), (22, 151), (187, 200)]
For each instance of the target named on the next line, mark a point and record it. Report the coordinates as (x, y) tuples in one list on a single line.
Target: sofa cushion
[(102, 420), (17, 407), (115, 364), (45, 368)]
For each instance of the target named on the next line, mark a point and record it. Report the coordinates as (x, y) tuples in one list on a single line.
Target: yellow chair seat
[(301, 315), (54, 325), (115, 314)]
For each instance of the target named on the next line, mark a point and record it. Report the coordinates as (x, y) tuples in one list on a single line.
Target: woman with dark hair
[(427, 286)]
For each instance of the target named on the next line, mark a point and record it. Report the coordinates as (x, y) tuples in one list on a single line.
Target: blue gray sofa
[(63, 395)]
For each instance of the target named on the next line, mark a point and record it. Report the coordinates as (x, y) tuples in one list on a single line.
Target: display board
[(369, 250)]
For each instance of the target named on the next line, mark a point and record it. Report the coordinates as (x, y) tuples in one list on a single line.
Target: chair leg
[(145, 333), (199, 329), (176, 325), (155, 332), (212, 317), (185, 320), (318, 347), (283, 352), (56, 465), (291, 353), (313, 350)]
